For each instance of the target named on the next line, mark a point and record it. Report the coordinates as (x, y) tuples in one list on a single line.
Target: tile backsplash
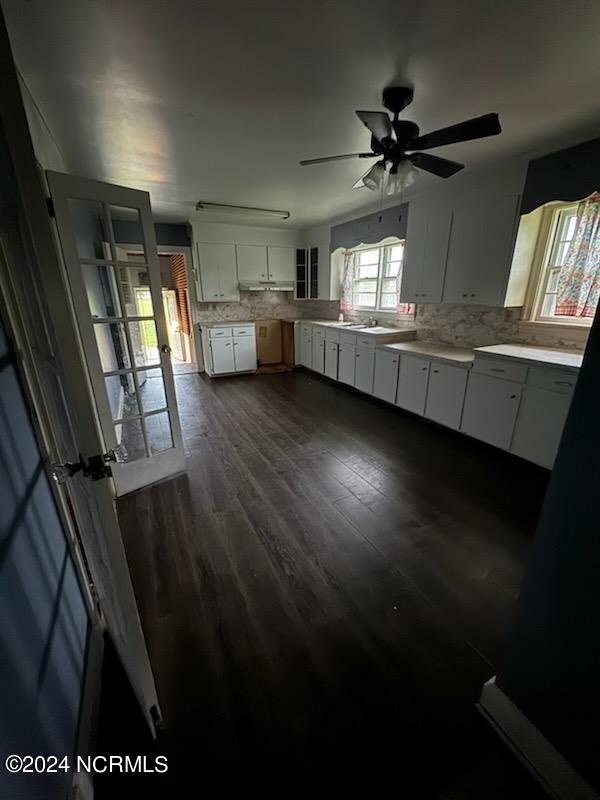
[(266, 305), (462, 326)]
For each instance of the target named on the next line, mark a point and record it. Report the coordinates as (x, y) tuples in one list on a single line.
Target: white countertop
[(533, 355), (458, 356), (378, 330)]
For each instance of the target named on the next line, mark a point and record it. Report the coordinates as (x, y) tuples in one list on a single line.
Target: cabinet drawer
[(306, 330), (244, 330), (332, 335), (365, 341), (219, 333), (558, 380), (348, 338), (500, 368), (318, 331)]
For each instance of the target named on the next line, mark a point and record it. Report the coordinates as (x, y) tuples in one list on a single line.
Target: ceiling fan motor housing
[(396, 98)]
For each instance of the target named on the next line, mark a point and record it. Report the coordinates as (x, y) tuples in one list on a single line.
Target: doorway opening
[(175, 265)]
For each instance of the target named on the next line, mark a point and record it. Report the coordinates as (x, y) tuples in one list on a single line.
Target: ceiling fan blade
[(441, 167), (359, 183), (337, 158), (378, 123), (478, 128)]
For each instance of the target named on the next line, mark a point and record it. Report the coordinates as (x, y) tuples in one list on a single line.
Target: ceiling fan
[(392, 138)]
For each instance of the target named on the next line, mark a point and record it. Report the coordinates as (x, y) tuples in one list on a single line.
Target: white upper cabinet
[(480, 251), (281, 262), (251, 262), (218, 274), (426, 251)]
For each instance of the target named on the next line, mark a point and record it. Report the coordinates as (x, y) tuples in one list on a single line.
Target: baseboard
[(542, 759)]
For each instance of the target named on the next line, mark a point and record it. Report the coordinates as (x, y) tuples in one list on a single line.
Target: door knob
[(165, 348)]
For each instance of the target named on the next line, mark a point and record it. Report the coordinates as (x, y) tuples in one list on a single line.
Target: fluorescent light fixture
[(253, 212)]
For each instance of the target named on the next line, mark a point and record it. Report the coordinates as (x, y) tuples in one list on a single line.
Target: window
[(376, 275), (556, 236)]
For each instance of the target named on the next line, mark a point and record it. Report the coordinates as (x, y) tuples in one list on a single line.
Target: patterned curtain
[(579, 277), (346, 301)]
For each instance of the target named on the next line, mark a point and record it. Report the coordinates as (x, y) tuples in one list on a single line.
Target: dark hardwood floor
[(326, 590)]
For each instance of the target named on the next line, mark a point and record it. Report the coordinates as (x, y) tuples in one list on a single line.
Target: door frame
[(186, 252), (40, 243)]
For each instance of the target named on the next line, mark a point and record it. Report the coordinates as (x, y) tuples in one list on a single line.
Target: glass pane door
[(119, 307)]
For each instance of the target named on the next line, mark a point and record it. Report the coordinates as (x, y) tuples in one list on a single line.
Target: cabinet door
[(228, 278), (306, 348), (346, 363), (313, 264), (318, 353), (282, 263), (208, 261), (480, 250), (244, 348), (446, 394), (331, 360), (301, 274), (490, 410), (540, 422), (222, 355), (426, 252), (363, 371), (385, 379), (412, 384), (252, 262)]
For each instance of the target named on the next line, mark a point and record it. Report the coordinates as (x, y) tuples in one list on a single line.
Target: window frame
[(383, 248), (540, 276)]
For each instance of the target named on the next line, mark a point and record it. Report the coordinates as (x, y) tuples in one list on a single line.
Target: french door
[(119, 310)]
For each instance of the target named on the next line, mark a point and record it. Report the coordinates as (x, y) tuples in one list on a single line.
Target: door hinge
[(95, 467), (50, 207)]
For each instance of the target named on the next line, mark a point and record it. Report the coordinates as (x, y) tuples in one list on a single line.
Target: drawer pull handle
[(498, 369), (424, 369), (436, 370), (513, 396), (563, 383)]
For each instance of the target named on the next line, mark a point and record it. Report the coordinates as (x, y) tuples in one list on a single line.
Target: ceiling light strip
[(247, 210)]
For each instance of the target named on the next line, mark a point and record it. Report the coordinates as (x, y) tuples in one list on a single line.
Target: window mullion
[(380, 271)]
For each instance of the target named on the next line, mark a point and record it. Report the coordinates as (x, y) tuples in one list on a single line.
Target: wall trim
[(549, 767)]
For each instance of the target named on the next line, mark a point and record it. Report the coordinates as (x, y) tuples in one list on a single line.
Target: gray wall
[(43, 619)]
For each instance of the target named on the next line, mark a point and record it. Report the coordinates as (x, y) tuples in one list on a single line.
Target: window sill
[(567, 329)]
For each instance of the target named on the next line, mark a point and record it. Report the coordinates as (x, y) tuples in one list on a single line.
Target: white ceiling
[(219, 100)]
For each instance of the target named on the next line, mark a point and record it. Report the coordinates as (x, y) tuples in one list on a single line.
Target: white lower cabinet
[(412, 384), (490, 410), (446, 394), (331, 360), (318, 353), (244, 350), (542, 415), (363, 370), (346, 363), (306, 347), (223, 358), (385, 378)]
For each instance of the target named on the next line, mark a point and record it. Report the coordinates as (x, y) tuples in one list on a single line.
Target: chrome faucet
[(371, 322)]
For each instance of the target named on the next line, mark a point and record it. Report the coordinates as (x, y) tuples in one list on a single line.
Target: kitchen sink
[(353, 326)]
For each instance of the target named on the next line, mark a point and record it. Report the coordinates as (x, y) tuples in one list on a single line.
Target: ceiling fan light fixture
[(374, 178), (404, 176)]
